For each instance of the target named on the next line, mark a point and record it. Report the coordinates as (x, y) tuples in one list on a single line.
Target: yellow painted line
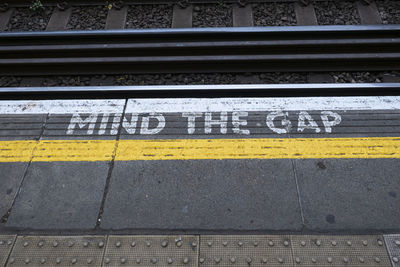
[(186, 149)]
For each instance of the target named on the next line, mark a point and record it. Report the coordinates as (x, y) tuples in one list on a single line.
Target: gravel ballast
[(67, 81), (10, 81), (210, 78), (389, 11), (336, 13), (149, 16), (274, 14), (201, 78), (25, 19), (88, 18), (362, 77), (357, 77), (212, 15)]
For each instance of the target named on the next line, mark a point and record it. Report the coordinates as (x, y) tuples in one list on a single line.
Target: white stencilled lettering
[(222, 122), (287, 125), (77, 120), (144, 127), (307, 122), (130, 125), (237, 122), (328, 124), (191, 119)]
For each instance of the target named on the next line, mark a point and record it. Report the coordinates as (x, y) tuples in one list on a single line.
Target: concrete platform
[(227, 165)]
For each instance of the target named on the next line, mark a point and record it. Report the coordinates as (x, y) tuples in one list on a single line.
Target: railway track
[(350, 48), (154, 54)]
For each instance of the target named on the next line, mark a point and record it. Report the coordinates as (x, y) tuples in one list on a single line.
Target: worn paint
[(212, 122), (14, 107), (163, 105), (261, 104), (185, 149)]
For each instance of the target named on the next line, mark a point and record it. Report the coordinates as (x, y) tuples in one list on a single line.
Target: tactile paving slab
[(309, 250), (393, 247), (245, 250), (151, 251), (57, 251), (6, 244)]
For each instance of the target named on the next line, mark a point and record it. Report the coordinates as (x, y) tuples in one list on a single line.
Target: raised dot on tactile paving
[(164, 243), (345, 260), (303, 243), (224, 243), (348, 243), (361, 259), (280, 260), (9, 242), (138, 260), (380, 243), (255, 243), (271, 244), (395, 259), (297, 260), (27, 260), (264, 260), (58, 260), (123, 260), (365, 242), (70, 244), (118, 244), (55, 244), (248, 260), (43, 260), (179, 244), (217, 259), (318, 243), (154, 260), (11, 260), (286, 243), (314, 260), (85, 244), (233, 259), (133, 244), (74, 260), (329, 259), (26, 243), (240, 243), (334, 243), (107, 260), (101, 244), (89, 260), (201, 260), (209, 243), (40, 244), (377, 259), (185, 260), (170, 261), (1, 242), (194, 244), (397, 242)]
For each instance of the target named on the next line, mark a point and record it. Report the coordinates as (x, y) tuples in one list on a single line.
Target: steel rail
[(196, 91), (254, 49)]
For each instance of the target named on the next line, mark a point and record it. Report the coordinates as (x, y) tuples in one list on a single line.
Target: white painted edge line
[(16, 107), (165, 105), (172, 105)]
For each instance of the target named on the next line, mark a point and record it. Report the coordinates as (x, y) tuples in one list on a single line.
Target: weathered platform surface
[(259, 166)]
